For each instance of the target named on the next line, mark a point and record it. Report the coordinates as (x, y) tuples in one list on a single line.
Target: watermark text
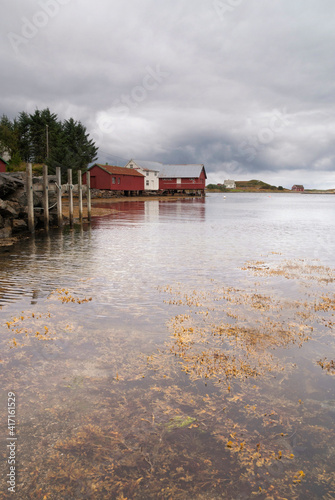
[(31, 26), (11, 441)]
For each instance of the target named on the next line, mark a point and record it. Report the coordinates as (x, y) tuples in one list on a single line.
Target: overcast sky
[(246, 87)]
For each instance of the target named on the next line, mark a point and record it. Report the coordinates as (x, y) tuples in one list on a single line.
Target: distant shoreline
[(269, 191)]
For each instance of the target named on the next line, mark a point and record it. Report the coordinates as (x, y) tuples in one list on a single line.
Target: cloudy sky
[(246, 87)]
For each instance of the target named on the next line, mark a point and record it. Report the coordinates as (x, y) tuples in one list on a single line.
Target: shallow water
[(175, 350)]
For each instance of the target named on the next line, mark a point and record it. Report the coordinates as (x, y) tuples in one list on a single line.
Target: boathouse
[(114, 178), (189, 179)]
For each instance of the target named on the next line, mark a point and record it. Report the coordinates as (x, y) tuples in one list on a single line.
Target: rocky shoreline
[(13, 207)]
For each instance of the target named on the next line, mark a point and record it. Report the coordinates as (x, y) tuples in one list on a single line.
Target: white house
[(229, 184), (150, 169)]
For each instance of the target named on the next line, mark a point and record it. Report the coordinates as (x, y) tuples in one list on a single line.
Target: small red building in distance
[(3, 165), (115, 178), (297, 187)]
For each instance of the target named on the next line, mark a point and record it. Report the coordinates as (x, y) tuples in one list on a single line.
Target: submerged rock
[(179, 422), (5, 232), (19, 225)]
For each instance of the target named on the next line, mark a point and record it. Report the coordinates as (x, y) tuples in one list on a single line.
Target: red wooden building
[(3, 165), (115, 178), (297, 187), (183, 178)]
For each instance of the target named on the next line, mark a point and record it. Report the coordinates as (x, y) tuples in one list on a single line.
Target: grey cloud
[(228, 68)]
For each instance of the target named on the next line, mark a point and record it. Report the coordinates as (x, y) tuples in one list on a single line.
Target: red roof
[(111, 169)]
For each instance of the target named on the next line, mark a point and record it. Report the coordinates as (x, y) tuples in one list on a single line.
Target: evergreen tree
[(76, 150), (45, 133), (8, 137), (23, 132), (41, 138)]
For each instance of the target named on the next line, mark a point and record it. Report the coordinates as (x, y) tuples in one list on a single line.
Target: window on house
[(119, 180), (147, 183), (146, 173), (113, 180)]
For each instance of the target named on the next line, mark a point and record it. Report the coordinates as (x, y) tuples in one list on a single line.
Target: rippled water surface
[(175, 349)]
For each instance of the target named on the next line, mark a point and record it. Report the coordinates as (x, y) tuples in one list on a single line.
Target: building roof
[(1, 159), (148, 165), (171, 171), (181, 171), (111, 169)]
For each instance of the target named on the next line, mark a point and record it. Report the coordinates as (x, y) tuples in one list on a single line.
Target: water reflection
[(154, 210), (157, 240)]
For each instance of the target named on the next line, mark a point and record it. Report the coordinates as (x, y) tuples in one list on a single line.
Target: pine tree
[(8, 137), (45, 134), (76, 150), (23, 132), (42, 138)]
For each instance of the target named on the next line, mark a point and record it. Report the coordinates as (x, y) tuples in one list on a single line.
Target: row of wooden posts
[(45, 191)]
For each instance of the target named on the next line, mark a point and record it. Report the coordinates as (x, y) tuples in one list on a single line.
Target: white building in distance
[(229, 184)]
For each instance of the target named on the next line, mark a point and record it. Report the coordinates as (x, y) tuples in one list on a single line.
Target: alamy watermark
[(31, 26)]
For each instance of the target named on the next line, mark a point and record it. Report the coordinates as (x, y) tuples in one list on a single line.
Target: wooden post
[(80, 195), (69, 180), (88, 183), (46, 197), (59, 196), (30, 197)]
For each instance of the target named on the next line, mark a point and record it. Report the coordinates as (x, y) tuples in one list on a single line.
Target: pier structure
[(53, 184)]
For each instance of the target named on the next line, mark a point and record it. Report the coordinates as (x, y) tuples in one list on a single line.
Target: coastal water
[(174, 349)]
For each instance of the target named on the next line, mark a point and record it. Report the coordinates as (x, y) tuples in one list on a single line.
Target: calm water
[(175, 349)]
